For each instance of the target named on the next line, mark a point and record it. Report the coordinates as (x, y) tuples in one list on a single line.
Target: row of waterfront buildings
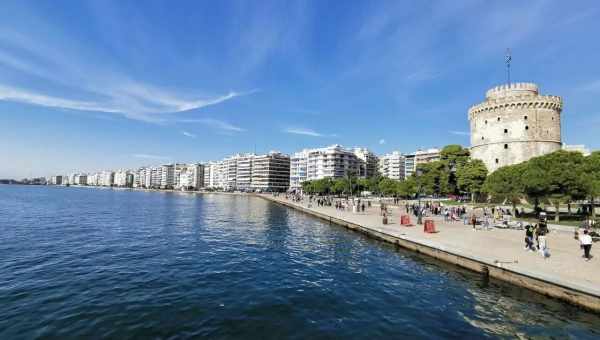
[(513, 124), (273, 171)]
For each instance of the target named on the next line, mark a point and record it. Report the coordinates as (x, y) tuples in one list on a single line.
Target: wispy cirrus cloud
[(460, 133), (307, 132), (71, 82), (147, 156), (215, 124), (138, 103), (188, 134)]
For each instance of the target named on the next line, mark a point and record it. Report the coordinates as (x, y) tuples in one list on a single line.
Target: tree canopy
[(470, 177)]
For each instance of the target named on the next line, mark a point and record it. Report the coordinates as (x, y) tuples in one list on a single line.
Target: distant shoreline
[(144, 189)]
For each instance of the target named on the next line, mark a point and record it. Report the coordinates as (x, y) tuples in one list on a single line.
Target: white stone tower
[(514, 124)]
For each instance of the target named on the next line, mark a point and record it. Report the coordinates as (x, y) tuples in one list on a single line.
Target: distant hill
[(9, 181)]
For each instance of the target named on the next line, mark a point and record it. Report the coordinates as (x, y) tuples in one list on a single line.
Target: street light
[(419, 172)]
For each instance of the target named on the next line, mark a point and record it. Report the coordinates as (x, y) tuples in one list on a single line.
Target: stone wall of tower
[(514, 124)]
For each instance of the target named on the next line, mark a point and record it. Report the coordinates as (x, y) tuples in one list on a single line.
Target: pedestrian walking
[(529, 238), (586, 244)]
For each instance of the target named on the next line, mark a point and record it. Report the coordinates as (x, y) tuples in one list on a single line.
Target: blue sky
[(92, 85)]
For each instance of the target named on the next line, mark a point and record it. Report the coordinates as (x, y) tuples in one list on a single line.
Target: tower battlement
[(514, 89)]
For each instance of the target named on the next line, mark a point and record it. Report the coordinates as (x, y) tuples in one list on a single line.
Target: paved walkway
[(565, 266)]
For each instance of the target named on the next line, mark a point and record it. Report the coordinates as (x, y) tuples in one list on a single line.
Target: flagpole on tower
[(508, 60)]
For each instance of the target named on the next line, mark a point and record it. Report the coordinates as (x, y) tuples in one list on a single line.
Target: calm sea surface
[(93, 263)]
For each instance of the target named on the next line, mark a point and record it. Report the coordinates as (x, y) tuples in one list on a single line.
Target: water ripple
[(84, 263)]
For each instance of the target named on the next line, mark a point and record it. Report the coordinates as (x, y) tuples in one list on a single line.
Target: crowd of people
[(535, 234)]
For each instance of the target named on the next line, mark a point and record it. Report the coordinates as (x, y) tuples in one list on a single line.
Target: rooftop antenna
[(508, 60)]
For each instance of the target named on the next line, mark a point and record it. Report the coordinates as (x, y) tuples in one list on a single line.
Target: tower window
[(505, 130), (486, 121), (498, 118), (496, 160), (526, 127), (552, 118), (482, 138), (525, 117), (506, 146)]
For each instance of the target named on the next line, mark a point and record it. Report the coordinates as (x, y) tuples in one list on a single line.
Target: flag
[(508, 57)]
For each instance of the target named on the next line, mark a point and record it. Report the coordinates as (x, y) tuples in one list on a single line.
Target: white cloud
[(91, 87), (460, 133), (188, 134), (381, 141), (307, 132), (214, 123), (146, 156), (302, 131), (134, 105)]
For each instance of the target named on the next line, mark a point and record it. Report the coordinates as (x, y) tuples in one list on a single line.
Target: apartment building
[(190, 177), (123, 178), (333, 161), (243, 171), (392, 165), (368, 162), (271, 172), (419, 157), (106, 178), (167, 176), (298, 168)]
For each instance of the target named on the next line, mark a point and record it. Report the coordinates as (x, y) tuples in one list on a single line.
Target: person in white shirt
[(586, 244)]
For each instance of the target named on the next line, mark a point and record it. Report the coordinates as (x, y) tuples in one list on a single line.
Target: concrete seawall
[(546, 285)]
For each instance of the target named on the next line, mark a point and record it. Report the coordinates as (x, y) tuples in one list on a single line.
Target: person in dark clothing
[(529, 238)]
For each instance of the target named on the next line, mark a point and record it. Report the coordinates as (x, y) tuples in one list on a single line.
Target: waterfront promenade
[(497, 249)]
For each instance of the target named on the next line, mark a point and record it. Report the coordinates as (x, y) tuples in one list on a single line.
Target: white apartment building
[(392, 165), (368, 162), (191, 177), (213, 175), (333, 161), (298, 168), (106, 178), (123, 178), (229, 174), (93, 179), (243, 171), (154, 177), (419, 157)]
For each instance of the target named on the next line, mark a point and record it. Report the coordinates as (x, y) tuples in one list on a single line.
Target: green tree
[(388, 187), (470, 177), (592, 178), (433, 178), (339, 186), (408, 187), (557, 177), (369, 184), (506, 183), (455, 155)]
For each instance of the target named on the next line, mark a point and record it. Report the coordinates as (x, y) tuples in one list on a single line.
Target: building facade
[(368, 163), (514, 124), (392, 166), (412, 160), (167, 176), (271, 172)]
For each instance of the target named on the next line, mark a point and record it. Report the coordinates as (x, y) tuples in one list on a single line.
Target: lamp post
[(419, 189)]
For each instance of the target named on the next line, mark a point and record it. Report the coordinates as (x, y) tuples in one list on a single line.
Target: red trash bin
[(429, 226)]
